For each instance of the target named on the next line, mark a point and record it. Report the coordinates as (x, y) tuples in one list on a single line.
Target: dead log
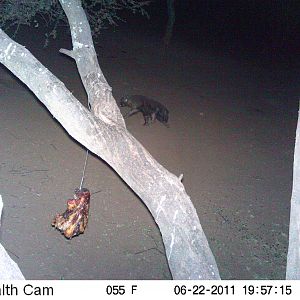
[(104, 133)]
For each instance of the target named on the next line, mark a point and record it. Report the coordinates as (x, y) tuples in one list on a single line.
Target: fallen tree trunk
[(103, 132), (293, 257)]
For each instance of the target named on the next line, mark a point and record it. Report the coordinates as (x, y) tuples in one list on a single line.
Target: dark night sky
[(266, 29), (262, 27), (269, 27)]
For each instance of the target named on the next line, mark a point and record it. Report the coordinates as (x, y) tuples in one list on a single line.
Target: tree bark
[(170, 24), (103, 132), (9, 270), (293, 257)]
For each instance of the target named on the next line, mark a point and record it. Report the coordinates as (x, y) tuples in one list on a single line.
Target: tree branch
[(67, 52), (9, 269), (98, 90), (293, 257)]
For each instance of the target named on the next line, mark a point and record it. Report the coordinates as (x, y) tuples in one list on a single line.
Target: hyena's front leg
[(153, 117), (147, 119)]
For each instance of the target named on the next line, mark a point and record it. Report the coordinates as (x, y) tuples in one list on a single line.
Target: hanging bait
[(74, 220)]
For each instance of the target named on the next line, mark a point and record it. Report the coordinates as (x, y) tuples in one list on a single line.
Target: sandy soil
[(232, 130)]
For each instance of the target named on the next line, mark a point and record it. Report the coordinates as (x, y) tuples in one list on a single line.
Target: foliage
[(15, 13)]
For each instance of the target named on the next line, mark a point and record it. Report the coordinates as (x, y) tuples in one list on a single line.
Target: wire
[(86, 155), (83, 171)]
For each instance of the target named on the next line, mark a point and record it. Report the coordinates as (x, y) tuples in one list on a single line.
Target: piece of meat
[(74, 220)]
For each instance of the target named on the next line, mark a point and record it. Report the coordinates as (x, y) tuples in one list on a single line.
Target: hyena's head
[(124, 101)]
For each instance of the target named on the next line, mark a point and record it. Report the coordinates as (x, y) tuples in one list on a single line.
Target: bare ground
[(232, 130)]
